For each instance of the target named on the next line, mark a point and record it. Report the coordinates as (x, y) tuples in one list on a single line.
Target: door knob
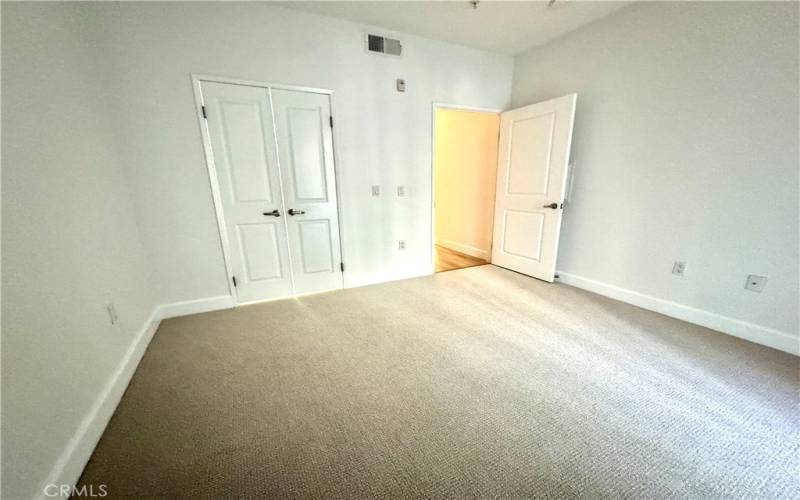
[(274, 213), (292, 211), (552, 205)]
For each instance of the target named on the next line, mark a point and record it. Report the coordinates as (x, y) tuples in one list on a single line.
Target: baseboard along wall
[(465, 249), (770, 337), (69, 467)]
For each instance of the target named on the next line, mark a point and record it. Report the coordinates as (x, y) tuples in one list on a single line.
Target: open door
[(532, 164)]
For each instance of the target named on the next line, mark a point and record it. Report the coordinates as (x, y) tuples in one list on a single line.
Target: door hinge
[(204, 112), (331, 121), (341, 266), (234, 281)]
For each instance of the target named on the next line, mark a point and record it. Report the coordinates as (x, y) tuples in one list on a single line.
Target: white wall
[(686, 148), (70, 243), (106, 195), (382, 137)]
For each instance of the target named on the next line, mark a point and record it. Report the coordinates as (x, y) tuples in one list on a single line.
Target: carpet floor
[(476, 383)]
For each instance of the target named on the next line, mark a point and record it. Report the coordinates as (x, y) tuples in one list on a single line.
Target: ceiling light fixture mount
[(475, 3), (551, 3)]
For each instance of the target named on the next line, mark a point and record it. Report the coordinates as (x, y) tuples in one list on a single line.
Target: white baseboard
[(76, 454), (69, 466), (749, 331), (465, 249), (196, 306), (359, 280)]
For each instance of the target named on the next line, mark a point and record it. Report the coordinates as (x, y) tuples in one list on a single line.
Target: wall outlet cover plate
[(755, 283), (679, 268)]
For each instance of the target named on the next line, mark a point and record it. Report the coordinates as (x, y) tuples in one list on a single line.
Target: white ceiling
[(499, 26)]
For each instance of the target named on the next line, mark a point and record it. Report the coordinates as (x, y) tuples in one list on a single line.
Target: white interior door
[(240, 128), (532, 164), (305, 150)]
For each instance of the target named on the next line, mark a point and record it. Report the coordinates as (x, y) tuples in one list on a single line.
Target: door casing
[(212, 170)]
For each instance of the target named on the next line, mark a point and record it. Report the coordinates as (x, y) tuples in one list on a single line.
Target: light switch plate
[(376, 190), (401, 191)]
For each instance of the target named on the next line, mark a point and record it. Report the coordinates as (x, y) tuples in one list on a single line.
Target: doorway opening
[(464, 178)]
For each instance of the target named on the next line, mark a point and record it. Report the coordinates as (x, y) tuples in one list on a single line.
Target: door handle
[(552, 205), (274, 213), (292, 211)]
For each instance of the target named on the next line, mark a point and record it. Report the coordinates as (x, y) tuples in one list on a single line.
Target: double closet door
[(273, 158)]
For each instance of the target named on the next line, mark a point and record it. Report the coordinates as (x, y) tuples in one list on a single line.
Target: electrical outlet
[(679, 268), (112, 314), (401, 191), (755, 283), (401, 244), (376, 190)]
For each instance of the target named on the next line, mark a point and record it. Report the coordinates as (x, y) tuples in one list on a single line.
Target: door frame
[(435, 106), (197, 79)]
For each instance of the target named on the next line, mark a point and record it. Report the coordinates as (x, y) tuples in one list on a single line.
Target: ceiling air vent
[(383, 45)]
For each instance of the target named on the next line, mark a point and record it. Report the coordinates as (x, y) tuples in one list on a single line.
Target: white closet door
[(305, 151), (240, 127), (531, 177)]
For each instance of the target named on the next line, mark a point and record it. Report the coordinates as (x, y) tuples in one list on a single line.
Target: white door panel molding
[(532, 166)]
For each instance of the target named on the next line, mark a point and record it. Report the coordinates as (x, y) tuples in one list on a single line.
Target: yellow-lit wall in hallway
[(465, 163)]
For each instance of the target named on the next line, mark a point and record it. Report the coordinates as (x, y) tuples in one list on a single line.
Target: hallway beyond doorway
[(447, 260)]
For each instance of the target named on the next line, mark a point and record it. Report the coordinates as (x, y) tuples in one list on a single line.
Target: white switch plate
[(376, 190), (401, 191), (401, 244), (679, 268), (755, 283)]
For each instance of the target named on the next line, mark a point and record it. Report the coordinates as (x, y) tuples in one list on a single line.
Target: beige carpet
[(477, 383)]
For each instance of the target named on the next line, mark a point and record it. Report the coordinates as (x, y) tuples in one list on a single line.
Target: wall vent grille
[(383, 45)]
